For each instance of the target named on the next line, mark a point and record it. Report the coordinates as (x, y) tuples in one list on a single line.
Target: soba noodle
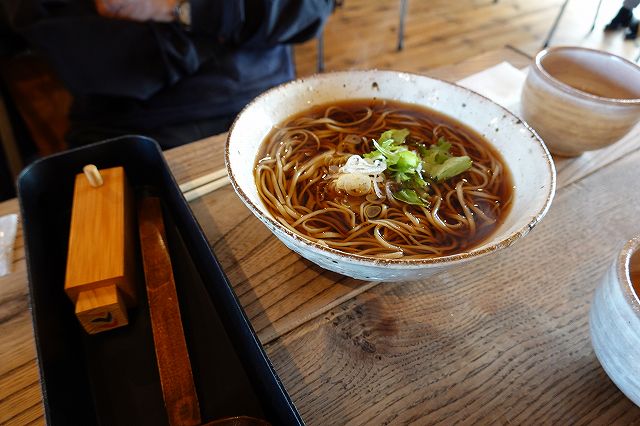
[(298, 176)]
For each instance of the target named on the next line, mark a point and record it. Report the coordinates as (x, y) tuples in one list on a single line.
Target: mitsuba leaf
[(397, 136), (440, 164), (451, 167), (410, 196)]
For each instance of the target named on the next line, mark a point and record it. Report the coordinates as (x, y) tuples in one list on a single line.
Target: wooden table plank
[(573, 169), (503, 340), (20, 393), (281, 292), (19, 378), (196, 159), (480, 62)]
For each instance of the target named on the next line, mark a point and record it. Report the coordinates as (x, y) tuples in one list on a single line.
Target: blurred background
[(363, 33), (360, 34)]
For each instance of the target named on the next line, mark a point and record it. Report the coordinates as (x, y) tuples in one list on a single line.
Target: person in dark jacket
[(624, 19), (174, 70)]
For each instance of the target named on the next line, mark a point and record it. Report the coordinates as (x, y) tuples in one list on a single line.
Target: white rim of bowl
[(454, 258), (623, 272), (572, 90)]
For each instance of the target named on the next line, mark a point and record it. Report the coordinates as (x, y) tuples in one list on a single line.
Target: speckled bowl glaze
[(525, 154), (614, 321), (557, 103)]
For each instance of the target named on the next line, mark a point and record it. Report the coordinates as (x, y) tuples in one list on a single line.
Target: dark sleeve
[(260, 23), (96, 56), (101, 56)]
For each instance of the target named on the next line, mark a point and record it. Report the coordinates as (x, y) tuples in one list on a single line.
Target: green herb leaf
[(437, 153), (387, 148), (396, 135), (402, 163), (407, 164), (440, 164), (450, 168), (418, 182), (410, 196)]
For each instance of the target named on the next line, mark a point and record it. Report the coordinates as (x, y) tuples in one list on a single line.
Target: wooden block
[(101, 309), (101, 250)]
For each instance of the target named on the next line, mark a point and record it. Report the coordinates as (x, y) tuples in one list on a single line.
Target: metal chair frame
[(404, 4), (556, 22), (552, 31)]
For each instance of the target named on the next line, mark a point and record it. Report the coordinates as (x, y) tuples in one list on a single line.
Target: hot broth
[(407, 206)]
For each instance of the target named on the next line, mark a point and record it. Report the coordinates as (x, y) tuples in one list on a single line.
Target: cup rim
[(623, 271), (572, 90)]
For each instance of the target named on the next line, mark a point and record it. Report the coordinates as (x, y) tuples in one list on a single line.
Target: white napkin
[(501, 83), (8, 228)]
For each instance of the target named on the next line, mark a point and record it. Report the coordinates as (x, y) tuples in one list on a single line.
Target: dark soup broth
[(383, 179), (634, 272)]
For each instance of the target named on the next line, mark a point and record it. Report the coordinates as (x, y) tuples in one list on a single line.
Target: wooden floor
[(363, 33)]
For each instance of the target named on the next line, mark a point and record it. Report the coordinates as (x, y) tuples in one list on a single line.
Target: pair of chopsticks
[(203, 185)]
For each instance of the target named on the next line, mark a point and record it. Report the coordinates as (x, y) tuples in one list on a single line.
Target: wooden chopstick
[(205, 189), (203, 185), (174, 366), (202, 180)]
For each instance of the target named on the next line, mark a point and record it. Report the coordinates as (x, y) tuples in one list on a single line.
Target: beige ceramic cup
[(615, 321), (580, 99)]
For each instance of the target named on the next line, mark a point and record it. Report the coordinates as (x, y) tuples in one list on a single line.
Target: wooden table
[(503, 340)]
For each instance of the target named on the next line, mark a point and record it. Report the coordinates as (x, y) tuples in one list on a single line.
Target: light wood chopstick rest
[(100, 271)]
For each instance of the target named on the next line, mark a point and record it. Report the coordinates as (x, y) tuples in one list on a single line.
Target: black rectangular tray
[(111, 378)]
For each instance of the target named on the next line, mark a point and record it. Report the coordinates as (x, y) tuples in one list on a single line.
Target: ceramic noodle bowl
[(615, 321), (580, 99), (525, 155)]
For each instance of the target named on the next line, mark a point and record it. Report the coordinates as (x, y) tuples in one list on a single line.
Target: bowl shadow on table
[(485, 317), (552, 310), (277, 288), (274, 304)]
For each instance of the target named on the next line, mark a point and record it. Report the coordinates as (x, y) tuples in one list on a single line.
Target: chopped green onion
[(407, 166), (401, 162)]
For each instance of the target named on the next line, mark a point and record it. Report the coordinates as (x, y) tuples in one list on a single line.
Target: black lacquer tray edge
[(253, 357)]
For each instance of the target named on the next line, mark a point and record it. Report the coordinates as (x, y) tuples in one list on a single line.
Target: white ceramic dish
[(614, 321), (528, 159), (580, 99)]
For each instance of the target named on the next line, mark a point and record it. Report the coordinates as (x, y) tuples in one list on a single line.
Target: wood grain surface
[(97, 234), (503, 340), (100, 260), (444, 32), (172, 355)]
